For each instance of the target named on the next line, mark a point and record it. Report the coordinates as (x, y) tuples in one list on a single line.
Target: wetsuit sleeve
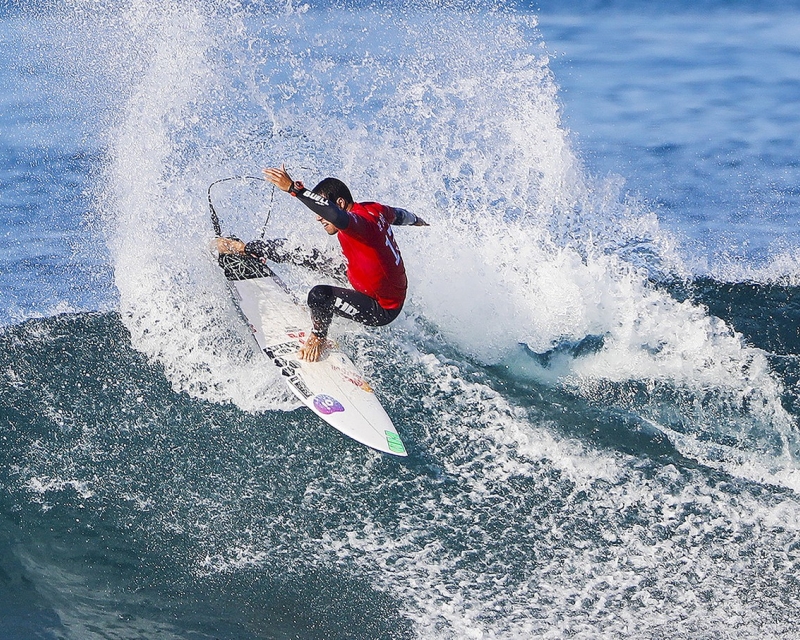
[(403, 217), (274, 250), (317, 261), (277, 250), (324, 208)]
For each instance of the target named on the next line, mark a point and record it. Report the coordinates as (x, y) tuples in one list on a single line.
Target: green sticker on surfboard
[(394, 442)]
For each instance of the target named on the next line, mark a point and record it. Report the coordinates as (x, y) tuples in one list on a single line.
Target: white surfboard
[(333, 388)]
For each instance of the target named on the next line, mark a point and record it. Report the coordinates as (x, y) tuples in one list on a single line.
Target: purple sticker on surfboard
[(327, 405)]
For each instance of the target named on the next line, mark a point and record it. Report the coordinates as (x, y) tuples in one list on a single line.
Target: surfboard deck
[(333, 388)]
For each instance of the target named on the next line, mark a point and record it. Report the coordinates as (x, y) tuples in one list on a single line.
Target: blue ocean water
[(698, 116), (596, 373)]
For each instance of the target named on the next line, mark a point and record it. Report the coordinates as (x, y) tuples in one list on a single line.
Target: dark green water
[(131, 510)]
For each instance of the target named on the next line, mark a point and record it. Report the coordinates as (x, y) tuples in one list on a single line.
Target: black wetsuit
[(324, 300)]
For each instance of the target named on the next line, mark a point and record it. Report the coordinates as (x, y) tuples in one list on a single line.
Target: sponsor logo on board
[(282, 349), (394, 442), (353, 378), (298, 384), (327, 405)]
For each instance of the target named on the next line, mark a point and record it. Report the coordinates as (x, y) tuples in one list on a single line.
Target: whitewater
[(601, 418)]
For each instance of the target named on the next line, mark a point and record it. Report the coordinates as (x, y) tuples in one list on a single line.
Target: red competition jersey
[(374, 265)]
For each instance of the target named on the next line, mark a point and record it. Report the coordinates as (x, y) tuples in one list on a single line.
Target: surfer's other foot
[(313, 349), (230, 245)]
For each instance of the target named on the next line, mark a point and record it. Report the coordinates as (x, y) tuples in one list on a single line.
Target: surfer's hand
[(420, 223), (279, 177), (230, 245), (313, 349)]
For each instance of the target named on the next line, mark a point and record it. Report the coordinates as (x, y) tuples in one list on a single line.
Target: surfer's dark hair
[(332, 189)]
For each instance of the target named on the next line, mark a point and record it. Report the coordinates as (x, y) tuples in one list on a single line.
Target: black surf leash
[(215, 217)]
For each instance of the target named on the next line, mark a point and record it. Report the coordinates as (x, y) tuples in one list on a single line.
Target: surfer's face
[(329, 228)]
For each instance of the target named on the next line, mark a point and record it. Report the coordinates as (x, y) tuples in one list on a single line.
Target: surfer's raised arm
[(325, 209), (335, 213)]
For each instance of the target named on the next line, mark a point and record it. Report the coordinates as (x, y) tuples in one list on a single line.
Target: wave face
[(602, 443)]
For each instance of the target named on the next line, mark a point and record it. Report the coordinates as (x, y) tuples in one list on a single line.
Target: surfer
[(375, 268)]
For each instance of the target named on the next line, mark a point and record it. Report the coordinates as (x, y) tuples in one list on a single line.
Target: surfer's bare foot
[(229, 245), (313, 349)]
